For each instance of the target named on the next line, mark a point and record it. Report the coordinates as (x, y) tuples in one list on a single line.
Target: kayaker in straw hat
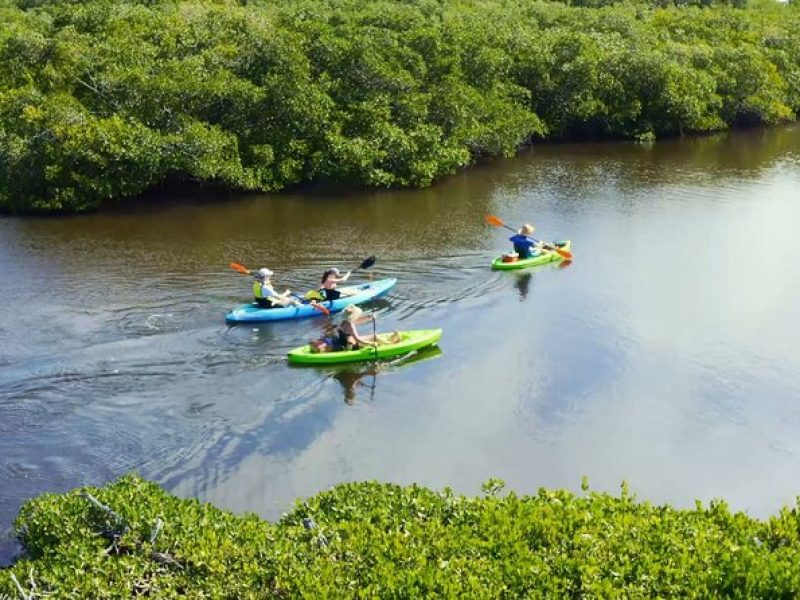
[(265, 295), (524, 245), (347, 336)]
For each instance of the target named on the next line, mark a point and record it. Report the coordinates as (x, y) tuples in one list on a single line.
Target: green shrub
[(371, 539), (104, 99)]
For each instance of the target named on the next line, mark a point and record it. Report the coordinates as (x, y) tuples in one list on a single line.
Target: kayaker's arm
[(541, 244), (282, 299)]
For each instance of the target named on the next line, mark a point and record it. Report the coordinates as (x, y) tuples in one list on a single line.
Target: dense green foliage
[(371, 539), (104, 99)]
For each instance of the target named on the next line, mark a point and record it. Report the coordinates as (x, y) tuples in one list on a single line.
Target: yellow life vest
[(258, 293), (313, 295)]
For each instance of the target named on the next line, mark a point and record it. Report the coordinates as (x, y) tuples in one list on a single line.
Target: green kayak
[(409, 341), (539, 259)]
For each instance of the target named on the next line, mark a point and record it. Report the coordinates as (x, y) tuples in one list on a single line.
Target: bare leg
[(391, 338)]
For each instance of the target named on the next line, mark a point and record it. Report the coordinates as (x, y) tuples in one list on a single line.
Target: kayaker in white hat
[(330, 278), (524, 245), (265, 295)]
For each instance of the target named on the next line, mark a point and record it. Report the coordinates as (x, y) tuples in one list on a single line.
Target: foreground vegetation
[(105, 99), (367, 539)]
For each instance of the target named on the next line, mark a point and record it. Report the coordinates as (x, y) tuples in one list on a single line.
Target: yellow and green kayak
[(409, 341), (539, 259)]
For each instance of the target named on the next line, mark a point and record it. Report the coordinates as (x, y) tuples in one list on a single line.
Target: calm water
[(666, 354)]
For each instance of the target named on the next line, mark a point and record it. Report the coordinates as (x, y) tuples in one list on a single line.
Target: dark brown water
[(666, 354)]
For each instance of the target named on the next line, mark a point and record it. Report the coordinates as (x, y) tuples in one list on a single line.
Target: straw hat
[(264, 273), (352, 312), (527, 229)]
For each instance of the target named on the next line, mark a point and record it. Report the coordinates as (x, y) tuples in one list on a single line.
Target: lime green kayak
[(409, 341), (539, 259)]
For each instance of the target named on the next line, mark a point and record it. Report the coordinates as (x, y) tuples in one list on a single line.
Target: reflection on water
[(351, 378), (523, 284), (665, 354)]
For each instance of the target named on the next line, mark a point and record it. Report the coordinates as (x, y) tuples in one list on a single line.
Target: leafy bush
[(105, 99), (370, 539)]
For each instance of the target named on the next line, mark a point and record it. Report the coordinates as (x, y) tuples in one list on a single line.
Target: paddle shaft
[(374, 330)]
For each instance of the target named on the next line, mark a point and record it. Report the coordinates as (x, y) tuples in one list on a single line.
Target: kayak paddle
[(498, 222), (365, 264), (245, 271), (241, 268), (374, 329)]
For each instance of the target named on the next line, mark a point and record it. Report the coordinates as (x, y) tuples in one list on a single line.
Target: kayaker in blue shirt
[(524, 245), (265, 295)]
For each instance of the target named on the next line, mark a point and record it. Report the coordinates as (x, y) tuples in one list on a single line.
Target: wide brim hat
[(352, 312), (262, 273), (527, 229)]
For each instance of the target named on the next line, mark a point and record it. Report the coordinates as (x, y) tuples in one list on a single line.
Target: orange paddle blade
[(241, 268), (564, 253), (493, 220)]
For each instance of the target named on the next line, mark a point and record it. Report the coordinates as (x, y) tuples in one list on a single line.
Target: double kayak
[(539, 259), (355, 294), (409, 341)]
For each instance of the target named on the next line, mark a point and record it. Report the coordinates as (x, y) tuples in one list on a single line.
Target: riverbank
[(267, 97), (362, 539)]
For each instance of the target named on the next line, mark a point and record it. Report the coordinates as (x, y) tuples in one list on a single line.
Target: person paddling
[(265, 295), (524, 245), (347, 336), (330, 279)]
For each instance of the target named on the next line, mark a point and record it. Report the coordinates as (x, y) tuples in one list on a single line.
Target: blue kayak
[(354, 294)]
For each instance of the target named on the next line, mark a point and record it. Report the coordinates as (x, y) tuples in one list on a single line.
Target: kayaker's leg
[(392, 338), (287, 301), (263, 303)]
